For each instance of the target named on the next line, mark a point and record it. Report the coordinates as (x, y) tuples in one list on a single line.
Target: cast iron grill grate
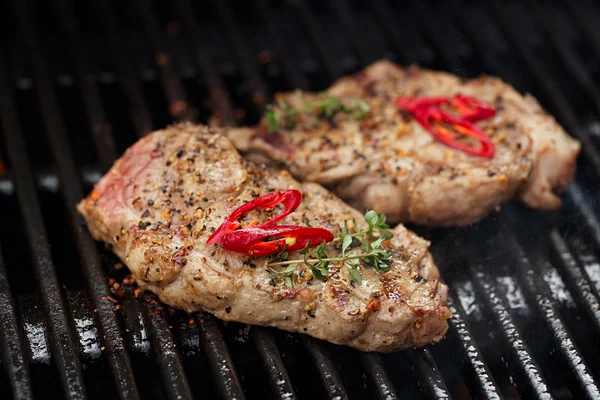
[(80, 81)]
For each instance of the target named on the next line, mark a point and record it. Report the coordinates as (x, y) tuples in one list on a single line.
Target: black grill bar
[(276, 372), (128, 78), (546, 83), (218, 91), (570, 58), (172, 373), (225, 377), (579, 9), (434, 384), (71, 189), (332, 68), (11, 353), (492, 60), (376, 370), (390, 25), (260, 93), (486, 385), (520, 351), (99, 127), (326, 367), (179, 107), (590, 220), (539, 289), (341, 10), (62, 340), (174, 381), (445, 48), (290, 68), (577, 278)]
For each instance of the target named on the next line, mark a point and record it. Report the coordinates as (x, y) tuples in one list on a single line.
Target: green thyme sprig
[(284, 113), (373, 254), (325, 107)]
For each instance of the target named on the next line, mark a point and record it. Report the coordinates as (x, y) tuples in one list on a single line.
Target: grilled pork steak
[(390, 163), (162, 200)]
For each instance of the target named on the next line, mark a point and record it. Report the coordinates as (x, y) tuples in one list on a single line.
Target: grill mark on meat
[(339, 294), (392, 289)]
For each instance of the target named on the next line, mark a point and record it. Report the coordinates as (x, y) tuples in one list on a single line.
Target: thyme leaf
[(327, 106), (373, 253)]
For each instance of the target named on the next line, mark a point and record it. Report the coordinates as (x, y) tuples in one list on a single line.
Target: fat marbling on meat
[(390, 163), (164, 197)]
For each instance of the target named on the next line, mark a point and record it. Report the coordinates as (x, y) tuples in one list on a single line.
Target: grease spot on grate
[(38, 343)]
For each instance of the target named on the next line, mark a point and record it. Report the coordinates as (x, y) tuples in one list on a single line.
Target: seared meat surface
[(390, 163), (162, 200)]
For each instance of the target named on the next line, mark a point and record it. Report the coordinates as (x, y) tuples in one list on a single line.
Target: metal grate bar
[(225, 377), (570, 58), (343, 13), (547, 84), (217, 89), (261, 94), (296, 79), (277, 373), (520, 351), (143, 125), (332, 68), (492, 60), (446, 51), (376, 370), (174, 381), (327, 369), (434, 384), (590, 220), (585, 19), (486, 385), (72, 192), (118, 359), (99, 127), (577, 278), (539, 289), (62, 340), (128, 78), (390, 24), (11, 351), (172, 86)]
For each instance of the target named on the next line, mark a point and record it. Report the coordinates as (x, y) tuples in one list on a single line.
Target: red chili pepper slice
[(423, 115), (469, 110), (472, 109), (267, 241), (290, 199), (411, 103), (266, 238)]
